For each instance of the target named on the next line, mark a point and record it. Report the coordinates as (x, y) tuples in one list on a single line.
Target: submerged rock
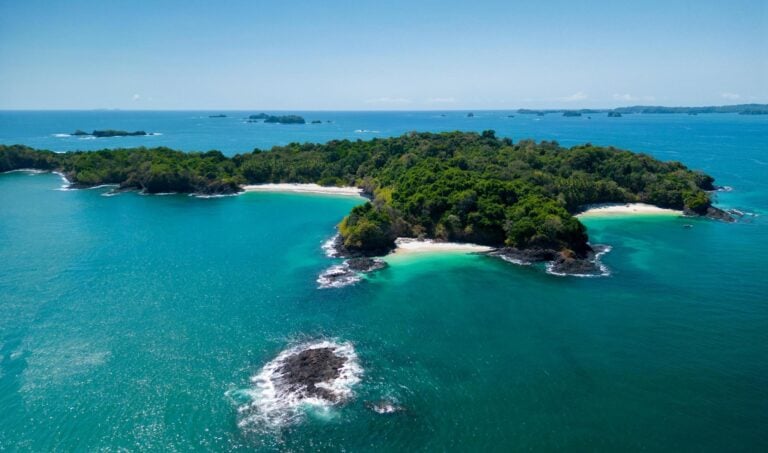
[(365, 264), (384, 406)]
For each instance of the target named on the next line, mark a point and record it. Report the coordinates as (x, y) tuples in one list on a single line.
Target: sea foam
[(272, 402)]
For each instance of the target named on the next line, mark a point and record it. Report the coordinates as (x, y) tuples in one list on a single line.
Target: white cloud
[(136, 97), (579, 96), (628, 97), (441, 100), (730, 96), (624, 97), (388, 100)]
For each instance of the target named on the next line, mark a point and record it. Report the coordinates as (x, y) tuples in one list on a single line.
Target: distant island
[(221, 115), (284, 119), (741, 109), (455, 186), (109, 133), (614, 115)]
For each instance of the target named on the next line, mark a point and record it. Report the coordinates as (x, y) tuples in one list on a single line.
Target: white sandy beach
[(610, 209), (304, 188), (409, 245)]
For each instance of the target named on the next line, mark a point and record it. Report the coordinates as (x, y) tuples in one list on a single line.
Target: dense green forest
[(453, 186)]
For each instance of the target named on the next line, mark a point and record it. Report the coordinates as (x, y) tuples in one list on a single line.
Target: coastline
[(407, 246), (621, 209), (304, 188)]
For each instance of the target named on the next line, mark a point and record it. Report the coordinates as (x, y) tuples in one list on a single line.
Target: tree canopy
[(454, 186)]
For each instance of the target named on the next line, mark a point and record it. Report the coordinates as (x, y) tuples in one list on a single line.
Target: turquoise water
[(137, 322)]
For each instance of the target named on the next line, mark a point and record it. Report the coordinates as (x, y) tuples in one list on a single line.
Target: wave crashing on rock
[(590, 267), (319, 374), (348, 272)]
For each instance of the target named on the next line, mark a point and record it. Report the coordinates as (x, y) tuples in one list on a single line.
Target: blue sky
[(377, 55)]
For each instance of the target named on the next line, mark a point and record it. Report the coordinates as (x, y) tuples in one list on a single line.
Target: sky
[(380, 55)]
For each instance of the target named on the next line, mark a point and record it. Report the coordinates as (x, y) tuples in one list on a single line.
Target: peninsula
[(520, 197)]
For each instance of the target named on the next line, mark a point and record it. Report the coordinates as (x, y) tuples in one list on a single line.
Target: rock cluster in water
[(303, 372), (558, 262)]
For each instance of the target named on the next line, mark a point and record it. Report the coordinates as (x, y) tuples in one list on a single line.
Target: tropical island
[(282, 119), (109, 133), (519, 197)]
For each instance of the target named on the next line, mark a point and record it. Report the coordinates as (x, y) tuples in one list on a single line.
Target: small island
[(614, 115), (221, 115), (571, 113), (316, 122), (275, 119), (519, 198), (109, 133)]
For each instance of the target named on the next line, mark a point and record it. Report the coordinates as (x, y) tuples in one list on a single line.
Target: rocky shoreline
[(562, 263)]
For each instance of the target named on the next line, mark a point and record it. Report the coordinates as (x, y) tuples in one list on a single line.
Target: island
[(571, 113), (281, 119), (316, 122), (614, 115), (741, 109), (110, 133), (221, 115), (518, 197)]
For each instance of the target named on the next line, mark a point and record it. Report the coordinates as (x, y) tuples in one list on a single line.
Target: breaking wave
[(293, 382), (338, 276), (329, 246)]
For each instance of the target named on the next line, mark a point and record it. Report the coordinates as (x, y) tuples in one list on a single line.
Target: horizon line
[(98, 109)]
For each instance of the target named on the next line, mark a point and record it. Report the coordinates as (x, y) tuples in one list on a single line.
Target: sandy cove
[(408, 246), (610, 209), (304, 188)]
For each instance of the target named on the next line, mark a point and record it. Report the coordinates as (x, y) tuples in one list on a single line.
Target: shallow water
[(131, 321)]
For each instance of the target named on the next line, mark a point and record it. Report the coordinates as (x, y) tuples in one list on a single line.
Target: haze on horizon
[(363, 55)]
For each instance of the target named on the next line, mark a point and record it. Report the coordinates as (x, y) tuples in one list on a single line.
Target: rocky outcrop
[(525, 256), (303, 371), (711, 213)]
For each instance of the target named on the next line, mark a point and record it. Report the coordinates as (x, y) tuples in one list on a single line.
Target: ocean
[(146, 322)]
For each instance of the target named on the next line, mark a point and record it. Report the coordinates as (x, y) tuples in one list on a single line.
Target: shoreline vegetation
[(520, 198)]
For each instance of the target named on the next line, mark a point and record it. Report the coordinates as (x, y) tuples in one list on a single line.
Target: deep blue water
[(137, 322)]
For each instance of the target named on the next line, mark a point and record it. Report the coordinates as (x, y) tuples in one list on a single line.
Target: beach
[(409, 245), (304, 188), (611, 209)]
